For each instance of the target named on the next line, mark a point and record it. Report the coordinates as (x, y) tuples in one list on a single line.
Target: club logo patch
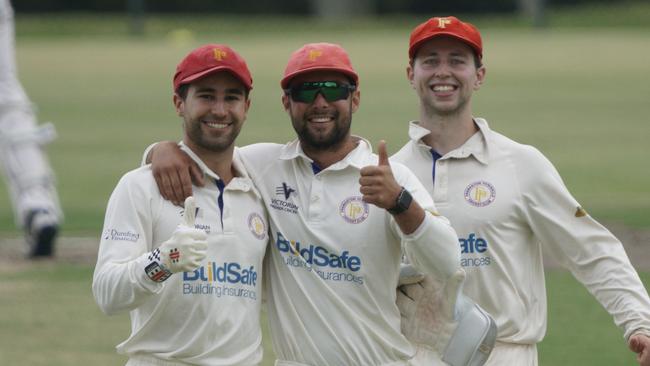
[(354, 210), (480, 194), (257, 226), (285, 190)]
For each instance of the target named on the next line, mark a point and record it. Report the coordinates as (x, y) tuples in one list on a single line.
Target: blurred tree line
[(296, 7)]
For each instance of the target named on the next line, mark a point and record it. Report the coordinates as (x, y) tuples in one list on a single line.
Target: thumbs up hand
[(378, 185), (184, 251)]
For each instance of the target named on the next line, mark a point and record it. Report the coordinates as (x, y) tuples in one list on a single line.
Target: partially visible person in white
[(194, 292), (506, 200), (29, 176)]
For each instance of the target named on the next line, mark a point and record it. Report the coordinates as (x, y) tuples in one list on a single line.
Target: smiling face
[(213, 112), (322, 125), (445, 76)]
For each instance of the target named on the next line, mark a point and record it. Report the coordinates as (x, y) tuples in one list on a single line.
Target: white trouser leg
[(29, 177), (511, 354)]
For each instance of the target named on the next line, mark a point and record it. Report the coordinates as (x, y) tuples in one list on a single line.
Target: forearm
[(411, 219), (433, 247), (123, 286)]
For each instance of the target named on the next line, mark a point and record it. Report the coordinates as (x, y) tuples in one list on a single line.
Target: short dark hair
[(184, 88)]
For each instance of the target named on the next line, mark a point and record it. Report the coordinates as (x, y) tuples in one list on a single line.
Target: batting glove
[(183, 252)]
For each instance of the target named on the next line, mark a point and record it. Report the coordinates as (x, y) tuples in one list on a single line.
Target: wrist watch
[(402, 202)]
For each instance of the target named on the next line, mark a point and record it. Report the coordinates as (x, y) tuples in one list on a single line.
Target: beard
[(205, 141), (326, 140)]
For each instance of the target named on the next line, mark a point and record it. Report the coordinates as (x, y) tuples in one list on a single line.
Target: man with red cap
[(191, 278), (340, 218), (505, 201)]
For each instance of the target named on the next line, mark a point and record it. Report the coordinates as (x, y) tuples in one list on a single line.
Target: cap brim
[(213, 70), (414, 48), (287, 78)]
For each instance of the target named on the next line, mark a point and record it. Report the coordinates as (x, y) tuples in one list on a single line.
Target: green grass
[(48, 318), (580, 331)]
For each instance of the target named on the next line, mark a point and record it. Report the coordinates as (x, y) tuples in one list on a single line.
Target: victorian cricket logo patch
[(283, 204), (257, 226), (354, 210), (480, 194)]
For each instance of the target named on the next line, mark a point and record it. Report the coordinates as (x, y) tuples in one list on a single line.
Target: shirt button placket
[(315, 206)]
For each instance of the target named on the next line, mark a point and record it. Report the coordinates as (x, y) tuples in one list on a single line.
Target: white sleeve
[(143, 162), (120, 282), (433, 247), (594, 256)]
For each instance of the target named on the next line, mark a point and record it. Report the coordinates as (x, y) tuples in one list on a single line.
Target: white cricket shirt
[(505, 201), (333, 264), (206, 317)]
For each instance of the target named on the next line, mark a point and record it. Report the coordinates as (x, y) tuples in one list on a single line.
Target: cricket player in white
[(191, 278), (341, 218), (505, 201), (29, 177)]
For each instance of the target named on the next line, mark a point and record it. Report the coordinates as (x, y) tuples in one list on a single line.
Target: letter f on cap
[(219, 54), (442, 22)]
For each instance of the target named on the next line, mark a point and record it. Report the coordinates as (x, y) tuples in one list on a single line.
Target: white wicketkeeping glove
[(427, 308), (436, 315), (183, 252)]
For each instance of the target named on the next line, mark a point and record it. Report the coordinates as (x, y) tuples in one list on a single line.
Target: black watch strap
[(402, 203)]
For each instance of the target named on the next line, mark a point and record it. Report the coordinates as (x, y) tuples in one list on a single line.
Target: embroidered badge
[(156, 272), (354, 210), (257, 226), (480, 194)]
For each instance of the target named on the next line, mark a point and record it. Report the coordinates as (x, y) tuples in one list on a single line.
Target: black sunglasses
[(331, 91)]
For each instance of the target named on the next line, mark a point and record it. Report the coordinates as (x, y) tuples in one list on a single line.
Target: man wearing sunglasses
[(505, 201), (340, 219)]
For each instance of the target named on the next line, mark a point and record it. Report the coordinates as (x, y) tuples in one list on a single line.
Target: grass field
[(48, 318), (580, 94)]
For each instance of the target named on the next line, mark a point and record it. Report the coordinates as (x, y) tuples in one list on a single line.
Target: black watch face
[(403, 202)]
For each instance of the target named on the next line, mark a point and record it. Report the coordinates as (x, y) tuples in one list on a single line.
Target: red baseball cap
[(211, 58), (316, 57), (446, 26)]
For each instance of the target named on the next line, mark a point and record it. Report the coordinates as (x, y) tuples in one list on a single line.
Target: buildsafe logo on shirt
[(329, 266), (474, 251), (221, 279)]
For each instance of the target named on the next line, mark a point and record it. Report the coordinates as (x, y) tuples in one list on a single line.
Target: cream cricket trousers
[(512, 354)]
